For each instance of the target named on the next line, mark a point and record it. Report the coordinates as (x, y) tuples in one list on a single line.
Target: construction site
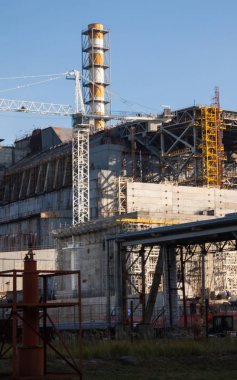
[(78, 195)]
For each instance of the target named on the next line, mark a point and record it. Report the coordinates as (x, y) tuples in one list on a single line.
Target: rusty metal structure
[(176, 246), (31, 316)]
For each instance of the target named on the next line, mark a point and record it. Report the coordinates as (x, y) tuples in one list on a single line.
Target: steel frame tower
[(80, 170), (212, 146), (96, 72)]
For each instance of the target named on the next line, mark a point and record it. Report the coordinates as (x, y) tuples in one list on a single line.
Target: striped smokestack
[(95, 66)]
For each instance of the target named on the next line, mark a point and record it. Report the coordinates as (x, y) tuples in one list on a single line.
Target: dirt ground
[(189, 367)]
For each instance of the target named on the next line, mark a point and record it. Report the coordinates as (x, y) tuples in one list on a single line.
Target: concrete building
[(142, 174)]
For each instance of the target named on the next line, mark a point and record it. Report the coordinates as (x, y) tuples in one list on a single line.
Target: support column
[(203, 253), (154, 288), (118, 284), (170, 286), (143, 294), (182, 264), (108, 283)]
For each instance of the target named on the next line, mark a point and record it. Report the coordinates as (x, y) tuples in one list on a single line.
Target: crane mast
[(80, 170), (80, 140)]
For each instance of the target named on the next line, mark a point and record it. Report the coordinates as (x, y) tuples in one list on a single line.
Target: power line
[(123, 100), (30, 84), (58, 76), (32, 76)]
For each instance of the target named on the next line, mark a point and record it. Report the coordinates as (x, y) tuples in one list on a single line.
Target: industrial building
[(145, 171)]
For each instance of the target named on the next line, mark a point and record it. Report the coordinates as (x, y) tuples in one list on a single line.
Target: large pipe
[(30, 359)]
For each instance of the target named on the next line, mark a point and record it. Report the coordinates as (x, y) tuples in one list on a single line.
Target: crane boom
[(13, 105), (80, 140), (35, 107)]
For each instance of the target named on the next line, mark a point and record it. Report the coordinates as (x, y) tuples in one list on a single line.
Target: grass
[(161, 359), (154, 349)]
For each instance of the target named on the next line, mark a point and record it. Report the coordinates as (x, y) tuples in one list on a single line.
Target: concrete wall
[(106, 157), (46, 260), (36, 216), (168, 198), (87, 254)]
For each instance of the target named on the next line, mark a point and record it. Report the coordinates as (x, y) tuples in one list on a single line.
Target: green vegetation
[(153, 349), (161, 359)]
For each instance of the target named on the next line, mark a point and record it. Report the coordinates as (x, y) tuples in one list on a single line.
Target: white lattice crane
[(80, 141)]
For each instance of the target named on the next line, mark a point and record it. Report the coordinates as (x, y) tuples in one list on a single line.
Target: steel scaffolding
[(212, 146), (80, 168)]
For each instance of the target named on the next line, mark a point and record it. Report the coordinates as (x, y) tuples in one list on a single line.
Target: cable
[(123, 100), (32, 76), (30, 84)]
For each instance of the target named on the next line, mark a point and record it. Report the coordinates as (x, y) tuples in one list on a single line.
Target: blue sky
[(163, 52)]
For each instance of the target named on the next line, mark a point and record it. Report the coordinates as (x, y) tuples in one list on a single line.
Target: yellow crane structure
[(212, 125)]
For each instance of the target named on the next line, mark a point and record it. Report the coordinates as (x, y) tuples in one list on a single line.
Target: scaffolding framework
[(212, 146), (122, 194), (179, 149), (80, 168)]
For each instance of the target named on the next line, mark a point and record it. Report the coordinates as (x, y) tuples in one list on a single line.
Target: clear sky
[(163, 52)]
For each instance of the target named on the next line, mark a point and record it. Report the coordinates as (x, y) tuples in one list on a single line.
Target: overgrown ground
[(163, 359)]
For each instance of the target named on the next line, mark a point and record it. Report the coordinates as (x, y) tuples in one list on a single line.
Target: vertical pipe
[(14, 327), (108, 295), (31, 355), (118, 284), (124, 286), (133, 151), (206, 315), (30, 296), (183, 287), (131, 320), (169, 287), (195, 147), (140, 159), (142, 253), (203, 276), (45, 322), (162, 147), (80, 321)]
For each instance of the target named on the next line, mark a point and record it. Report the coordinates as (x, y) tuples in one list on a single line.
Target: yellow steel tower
[(212, 146), (96, 72)]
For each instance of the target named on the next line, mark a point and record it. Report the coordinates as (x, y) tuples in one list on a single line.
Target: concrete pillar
[(171, 308)]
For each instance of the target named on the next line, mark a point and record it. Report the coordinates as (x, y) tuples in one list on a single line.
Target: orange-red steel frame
[(18, 313)]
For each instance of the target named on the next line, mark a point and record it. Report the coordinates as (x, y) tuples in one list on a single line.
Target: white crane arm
[(35, 107)]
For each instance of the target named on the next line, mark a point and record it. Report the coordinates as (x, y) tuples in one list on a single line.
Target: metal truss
[(221, 263), (80, 169), (177, 148), (212, 146), (35, 107), (139, 264), (174, 146), (122, 194)]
